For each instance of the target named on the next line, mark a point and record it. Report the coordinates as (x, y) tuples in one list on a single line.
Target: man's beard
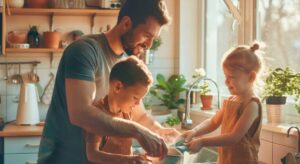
[(125, 40)]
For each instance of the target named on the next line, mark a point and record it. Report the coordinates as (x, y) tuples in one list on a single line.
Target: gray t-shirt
[(90, 59)]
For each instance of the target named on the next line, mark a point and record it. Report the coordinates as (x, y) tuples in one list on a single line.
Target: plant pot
[(276, 100), (274, 114), (206, 101), (51, 39), (37, 3)]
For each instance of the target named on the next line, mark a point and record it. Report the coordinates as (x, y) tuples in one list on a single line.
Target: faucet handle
[(187, 124)]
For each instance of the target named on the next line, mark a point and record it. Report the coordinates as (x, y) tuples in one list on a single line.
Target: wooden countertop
[(13, 130)]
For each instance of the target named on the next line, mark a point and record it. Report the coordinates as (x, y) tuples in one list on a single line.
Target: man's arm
[(140, 116), (80, 96)]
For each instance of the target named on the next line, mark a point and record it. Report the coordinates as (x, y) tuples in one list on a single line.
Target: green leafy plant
[(147, 101), (204, 88), (168, 91), (156, 43), (171, 121), (283, 82)]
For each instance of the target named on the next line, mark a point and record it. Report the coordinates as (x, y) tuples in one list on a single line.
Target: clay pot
[(51, 39), (206, 101), (37, 3)]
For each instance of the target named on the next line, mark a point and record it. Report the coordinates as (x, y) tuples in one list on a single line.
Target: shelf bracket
[(92, 22), (51, 60), (51, 21)]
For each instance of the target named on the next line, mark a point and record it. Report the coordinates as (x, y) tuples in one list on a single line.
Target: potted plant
[(206, 99), (167, 91), (279, 84), (149, 54), (51, 39)]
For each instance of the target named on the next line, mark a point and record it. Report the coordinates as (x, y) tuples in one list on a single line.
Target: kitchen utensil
[(28, 113), (47, 95)]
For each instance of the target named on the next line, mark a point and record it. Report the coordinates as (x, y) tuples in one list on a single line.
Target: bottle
[(33, 37)]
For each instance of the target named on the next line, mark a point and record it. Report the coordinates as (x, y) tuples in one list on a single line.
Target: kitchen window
[(278, 25), (274, 22), (221, 33)]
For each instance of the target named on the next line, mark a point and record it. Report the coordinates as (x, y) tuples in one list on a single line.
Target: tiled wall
[(165, 60)]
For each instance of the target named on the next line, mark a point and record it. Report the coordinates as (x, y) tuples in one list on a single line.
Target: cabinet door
[(21, 145), (279, 151), (20, 159), (265, 151)]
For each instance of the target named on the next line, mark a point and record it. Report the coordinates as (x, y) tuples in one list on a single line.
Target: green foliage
[(171, 121), (168, 90), (204, 89), (283, 82), (147, 102), (156, 43)]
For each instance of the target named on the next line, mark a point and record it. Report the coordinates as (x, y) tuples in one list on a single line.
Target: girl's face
[(238, 82), (128, 97)]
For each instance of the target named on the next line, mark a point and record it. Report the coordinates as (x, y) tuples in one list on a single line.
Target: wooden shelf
[(34, 50), (64, 12)]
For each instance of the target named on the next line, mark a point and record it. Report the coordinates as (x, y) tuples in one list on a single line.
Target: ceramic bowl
[(22, 45), (17, 37), (16, 3)]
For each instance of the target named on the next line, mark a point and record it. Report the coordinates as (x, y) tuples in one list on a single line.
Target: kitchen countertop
[(276, 128), (13, 130)]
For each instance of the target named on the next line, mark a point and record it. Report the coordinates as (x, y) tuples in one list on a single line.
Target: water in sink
[(205, 156)]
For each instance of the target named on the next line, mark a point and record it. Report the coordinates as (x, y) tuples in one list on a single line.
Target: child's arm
[(240, 129), (205, 127), (94, 155)]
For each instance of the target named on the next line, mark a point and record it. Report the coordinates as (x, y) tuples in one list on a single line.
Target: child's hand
[(194, 146), (188, 135), (139, 159)]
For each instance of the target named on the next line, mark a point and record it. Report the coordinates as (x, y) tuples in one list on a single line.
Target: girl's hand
[(194, 146), (139, 159), (188, 135)]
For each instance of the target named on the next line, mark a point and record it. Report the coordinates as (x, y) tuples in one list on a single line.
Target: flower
[(199, 72)]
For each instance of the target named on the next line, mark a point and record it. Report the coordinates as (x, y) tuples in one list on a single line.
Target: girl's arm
[(205, 127), (94, 155), (210, 124)]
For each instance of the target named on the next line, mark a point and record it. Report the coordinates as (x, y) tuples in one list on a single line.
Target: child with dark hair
[(129, 81)]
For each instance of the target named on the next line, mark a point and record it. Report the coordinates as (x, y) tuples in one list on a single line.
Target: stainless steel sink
[(205, 156)]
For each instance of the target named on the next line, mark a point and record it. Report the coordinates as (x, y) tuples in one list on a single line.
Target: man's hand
[(168, 134), (153, 144)]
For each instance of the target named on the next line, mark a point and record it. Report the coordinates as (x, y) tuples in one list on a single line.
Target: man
[(83, 76)]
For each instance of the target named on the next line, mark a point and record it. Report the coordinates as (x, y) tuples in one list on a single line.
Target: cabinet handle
[(32, 145), (31, 162)]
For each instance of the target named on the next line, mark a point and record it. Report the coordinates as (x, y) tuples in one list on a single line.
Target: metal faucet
[(187, 122)]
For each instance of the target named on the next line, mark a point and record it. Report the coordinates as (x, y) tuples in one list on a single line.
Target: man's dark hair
[(140, 10), (131, 71)]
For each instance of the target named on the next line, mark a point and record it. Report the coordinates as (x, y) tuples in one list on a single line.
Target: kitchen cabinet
[(21, 150), (275, 146), (51, 13)]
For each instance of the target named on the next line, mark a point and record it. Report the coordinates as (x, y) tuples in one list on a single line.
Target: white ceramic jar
[(16, 3)]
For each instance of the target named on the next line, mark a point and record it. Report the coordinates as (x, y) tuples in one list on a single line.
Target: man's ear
[(126, 24)]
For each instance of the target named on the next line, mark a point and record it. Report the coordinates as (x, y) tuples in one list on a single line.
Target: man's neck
[(114, 40)]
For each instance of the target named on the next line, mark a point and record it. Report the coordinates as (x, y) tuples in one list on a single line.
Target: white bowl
[(22, 45), (16, 3)]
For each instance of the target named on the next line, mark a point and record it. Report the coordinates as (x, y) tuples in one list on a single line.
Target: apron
[(246, 150), (116, 145)]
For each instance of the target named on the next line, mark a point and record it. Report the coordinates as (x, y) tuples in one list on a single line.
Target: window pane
[(221, 33), (278, 25)]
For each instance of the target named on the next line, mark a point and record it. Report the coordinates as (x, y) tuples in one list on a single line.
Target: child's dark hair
[(131, 71), (244, 58), (140, 10)]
